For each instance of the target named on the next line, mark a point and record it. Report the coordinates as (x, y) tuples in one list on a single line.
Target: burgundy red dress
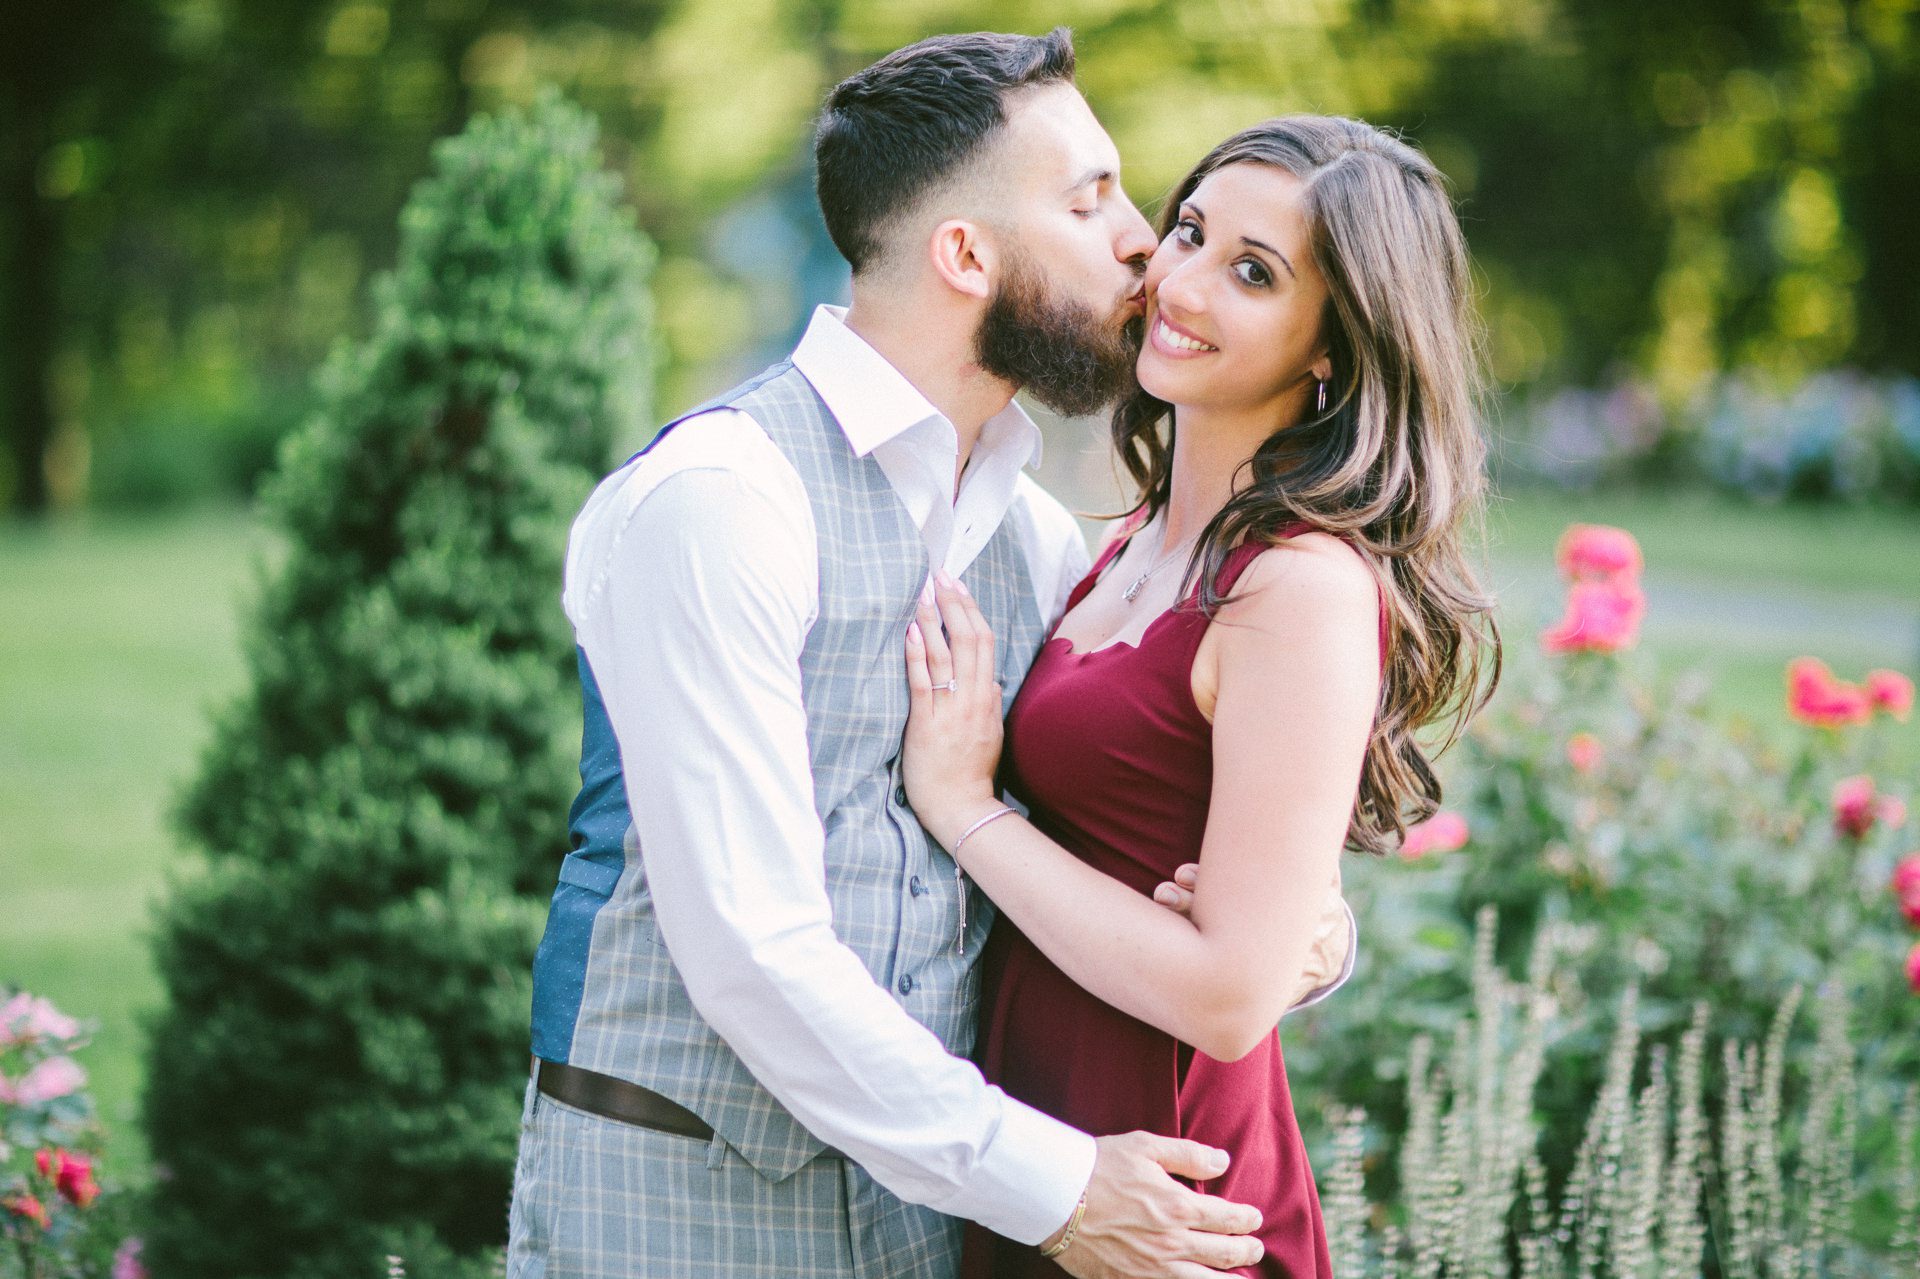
[(1114, 760)]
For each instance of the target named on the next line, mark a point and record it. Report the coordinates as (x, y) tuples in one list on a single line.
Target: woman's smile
[(1175, 342)]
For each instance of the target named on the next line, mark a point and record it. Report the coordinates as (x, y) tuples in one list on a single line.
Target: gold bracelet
[(1073, 1228), (998, 813)]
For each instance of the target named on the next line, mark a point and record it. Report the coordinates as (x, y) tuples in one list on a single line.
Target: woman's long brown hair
[(1395, 465)]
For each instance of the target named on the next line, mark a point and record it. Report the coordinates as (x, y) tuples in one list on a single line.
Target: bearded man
[(756, 992)]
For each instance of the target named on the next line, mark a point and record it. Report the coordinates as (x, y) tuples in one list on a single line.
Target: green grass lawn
[(115, 640), (1842, 554), (116, 637), (1737, 590)]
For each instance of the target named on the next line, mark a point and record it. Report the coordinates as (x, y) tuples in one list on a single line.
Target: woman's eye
[(1251, 272), (1085, 213), (1187, 232)]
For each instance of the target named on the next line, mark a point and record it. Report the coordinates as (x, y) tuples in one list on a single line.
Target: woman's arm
[(1298, 679)]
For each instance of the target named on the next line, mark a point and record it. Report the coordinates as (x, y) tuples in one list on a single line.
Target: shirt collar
[(874, 402)]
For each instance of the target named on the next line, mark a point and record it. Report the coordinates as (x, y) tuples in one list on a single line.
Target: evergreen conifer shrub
[(337, 1073)]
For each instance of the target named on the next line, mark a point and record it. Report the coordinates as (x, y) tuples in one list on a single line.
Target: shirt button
[(900, 796), (916, 887), (906, 983)]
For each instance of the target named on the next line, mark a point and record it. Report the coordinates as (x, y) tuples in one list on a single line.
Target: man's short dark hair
[(889, 133)]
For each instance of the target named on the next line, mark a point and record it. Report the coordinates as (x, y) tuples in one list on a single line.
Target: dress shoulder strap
[(1100, 563), (1242, 555)]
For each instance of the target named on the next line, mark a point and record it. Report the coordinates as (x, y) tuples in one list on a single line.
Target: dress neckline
[(1112, 644), (1229, 571)]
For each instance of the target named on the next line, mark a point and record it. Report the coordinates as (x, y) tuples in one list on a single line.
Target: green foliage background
[(334, 1075), (1673, 186)]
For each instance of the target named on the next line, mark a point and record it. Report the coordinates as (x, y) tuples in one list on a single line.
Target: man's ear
[(962, 258)]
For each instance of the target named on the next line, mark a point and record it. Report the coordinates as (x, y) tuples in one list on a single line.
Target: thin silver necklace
[(1140, 581)]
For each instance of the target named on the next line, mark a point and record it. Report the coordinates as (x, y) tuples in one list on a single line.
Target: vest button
[(906, 983), (916, 887), (900, 796)]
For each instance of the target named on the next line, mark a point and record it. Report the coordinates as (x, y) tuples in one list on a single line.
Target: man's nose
[(1136, 240)]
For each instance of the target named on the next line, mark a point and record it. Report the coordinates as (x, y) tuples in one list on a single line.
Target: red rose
[(1601, 617), (1858, 807), (75, 1181), (1597, 552), (1906, 886), (1440, 833), (1815, 697), (1892, 692), (28, 1208)]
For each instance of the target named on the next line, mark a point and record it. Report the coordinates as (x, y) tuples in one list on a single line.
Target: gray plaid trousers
[(597, 1199)]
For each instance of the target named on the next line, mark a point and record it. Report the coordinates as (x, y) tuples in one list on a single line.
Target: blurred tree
[(69, 73), (336, 1074), (1880, 186), (1681, 186), (216, 174)]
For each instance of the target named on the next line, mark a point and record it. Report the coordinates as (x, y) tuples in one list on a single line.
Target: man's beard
[(1059, 351)]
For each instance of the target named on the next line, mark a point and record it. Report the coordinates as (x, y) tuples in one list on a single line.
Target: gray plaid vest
[(606, 994)]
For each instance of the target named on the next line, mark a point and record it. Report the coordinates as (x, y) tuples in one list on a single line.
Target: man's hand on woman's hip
[(1142, 1224)]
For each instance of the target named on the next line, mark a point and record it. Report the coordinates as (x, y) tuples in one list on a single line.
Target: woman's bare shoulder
[(1299, 603), (1312, 573)]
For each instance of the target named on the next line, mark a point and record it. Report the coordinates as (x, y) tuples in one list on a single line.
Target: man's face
[(1062, 319)]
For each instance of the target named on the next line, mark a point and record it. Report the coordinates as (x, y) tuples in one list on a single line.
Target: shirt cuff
[(1319, 993), (1031, 1175)]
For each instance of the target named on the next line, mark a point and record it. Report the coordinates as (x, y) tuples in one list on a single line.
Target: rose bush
[(1670, 849), (54, 1218)]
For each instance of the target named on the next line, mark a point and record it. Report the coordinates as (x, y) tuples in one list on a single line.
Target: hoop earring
[(1321, 407)]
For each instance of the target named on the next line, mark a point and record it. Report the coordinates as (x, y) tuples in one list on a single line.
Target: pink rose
[(26, 1017), (1913, 967), (1440, 833), (29, 1208), (1853, 806), (1891, 692), (54, 1077), (1858, 807), (126, 1260), (1906, 886), (1590, 552), (1583, 752), (1815, 697), (74, 1179), (1601, 617)]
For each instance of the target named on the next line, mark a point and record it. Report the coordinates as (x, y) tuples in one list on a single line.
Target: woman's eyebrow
[(1199, 215), (1270, 249)]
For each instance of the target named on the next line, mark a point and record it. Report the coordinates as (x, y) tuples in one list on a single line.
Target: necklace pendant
[(1134, 590)]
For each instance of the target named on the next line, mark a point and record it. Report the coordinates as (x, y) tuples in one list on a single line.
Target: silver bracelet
[(990, 817)]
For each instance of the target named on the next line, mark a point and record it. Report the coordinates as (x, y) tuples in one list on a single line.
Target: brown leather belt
[(616, 1099)]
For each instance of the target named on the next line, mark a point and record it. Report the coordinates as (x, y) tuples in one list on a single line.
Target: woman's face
[(1234, 299)]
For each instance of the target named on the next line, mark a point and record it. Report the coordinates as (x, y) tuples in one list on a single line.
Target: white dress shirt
[(692, 580)]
